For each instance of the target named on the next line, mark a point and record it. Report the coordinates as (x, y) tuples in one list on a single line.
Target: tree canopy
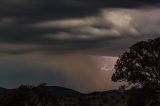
[(140, 65)]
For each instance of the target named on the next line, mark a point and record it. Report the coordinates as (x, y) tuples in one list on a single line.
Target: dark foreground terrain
[(43, 95), (59, 96)]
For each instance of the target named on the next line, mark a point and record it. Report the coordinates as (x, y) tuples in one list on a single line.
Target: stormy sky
[(70, 43)]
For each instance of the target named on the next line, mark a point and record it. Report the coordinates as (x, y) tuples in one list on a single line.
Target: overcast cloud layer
[(66, 42), (71, 25)]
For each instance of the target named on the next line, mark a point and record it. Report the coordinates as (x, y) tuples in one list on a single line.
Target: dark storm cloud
[(57, 46), (64, 8), (17, 16)]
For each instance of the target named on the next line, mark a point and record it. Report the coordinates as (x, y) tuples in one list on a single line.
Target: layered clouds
[(64, 27), (66, 36)]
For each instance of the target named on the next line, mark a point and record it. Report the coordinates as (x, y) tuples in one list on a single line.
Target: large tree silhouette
[(140, 66)]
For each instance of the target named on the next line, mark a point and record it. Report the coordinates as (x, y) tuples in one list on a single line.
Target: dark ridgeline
[(61, 91)]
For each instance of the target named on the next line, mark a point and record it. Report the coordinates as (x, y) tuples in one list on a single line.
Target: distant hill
[(107, 93), (61, 91)]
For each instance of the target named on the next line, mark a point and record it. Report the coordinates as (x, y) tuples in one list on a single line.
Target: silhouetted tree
[(140, 65)]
